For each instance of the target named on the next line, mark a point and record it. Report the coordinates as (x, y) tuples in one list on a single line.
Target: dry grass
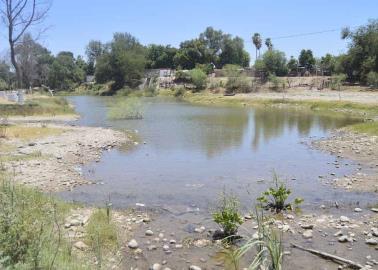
[(27, 132)]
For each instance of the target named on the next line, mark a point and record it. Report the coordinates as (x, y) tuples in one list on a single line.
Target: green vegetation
[(31, 231), (198, 78), (38, 106), (27, 132), (101, 231), (367, 127), (236, 81), (275, 198), (277, 84), (126, 108), (337, 81), (227, 214), (272, 62), (372, 79)]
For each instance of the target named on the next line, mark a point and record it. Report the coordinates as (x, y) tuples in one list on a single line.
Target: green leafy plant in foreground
[(227, 214), (275, 198)]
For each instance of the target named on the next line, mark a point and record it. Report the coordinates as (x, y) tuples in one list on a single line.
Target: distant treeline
[(122, 61)]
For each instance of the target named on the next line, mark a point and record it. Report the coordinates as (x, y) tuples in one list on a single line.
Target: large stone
[(133, 244), (194, 267), (372, 241), (344, 219), (156, 266), (149, 233)]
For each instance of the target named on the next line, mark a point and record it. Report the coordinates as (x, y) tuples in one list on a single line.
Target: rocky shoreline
[(57, 160), (361, 148)]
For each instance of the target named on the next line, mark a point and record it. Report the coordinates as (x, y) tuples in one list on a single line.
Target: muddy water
[(191, 153)]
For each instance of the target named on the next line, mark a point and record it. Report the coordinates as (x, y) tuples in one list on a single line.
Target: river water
[(192, 152)]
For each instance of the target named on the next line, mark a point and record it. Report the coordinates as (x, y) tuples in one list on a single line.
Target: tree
[(19, 16), (159, 56), (292, 65), (272, 62), (306, 59), (64, 73), (362, 56), (328, 64), (190, 53), (93, 51), (269, 44), (233, 52), (257, 41), (198, 78), (29, 54), (123, 62)]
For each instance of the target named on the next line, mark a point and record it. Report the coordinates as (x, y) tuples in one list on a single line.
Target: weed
[(101, 229), (275, 198), (227, 214), (128, 108)]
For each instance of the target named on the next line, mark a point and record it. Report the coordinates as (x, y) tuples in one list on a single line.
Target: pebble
[(133, 244), (343, 239), (156, 266), (149, 233), (344, 219), (307, 226), (165, 247), (80, 245), (194, 267), (307, 234), (372, 241), (357, 210), (374, 210)]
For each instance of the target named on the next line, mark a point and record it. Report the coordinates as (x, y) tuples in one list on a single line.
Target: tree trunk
[(13, 56)]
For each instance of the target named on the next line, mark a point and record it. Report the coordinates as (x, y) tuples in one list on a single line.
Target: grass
[(370, 128), (31, 230), (28, 132), (101, 229), (126, 108), (41, 105)]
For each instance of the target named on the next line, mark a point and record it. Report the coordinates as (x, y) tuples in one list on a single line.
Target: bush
[(3, 85), (337, 81), (182, 77), (277, 84), (238, 85), (206, 68), (101, 230), (129, 108), (227, 214), (275, 197), (372, 79), (198, 78), (179, 92)]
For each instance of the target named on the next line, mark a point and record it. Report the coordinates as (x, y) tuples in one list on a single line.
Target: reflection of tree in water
[(221, 130), (272, 122)]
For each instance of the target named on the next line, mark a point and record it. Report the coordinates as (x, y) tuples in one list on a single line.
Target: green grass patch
[(27, 132), (38, 106), (31, 230), (101, 230), (370, 128), (126, 108)]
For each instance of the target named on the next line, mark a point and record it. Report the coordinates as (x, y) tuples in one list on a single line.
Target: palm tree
[(269, 44), (257, 41)]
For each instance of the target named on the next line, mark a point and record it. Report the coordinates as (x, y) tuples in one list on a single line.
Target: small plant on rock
[(275, 198), (227, 215)]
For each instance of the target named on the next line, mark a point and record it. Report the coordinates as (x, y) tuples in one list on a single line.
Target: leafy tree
[(213, 39), (123, 62), (372, 79), (362, 56), (198, 78), (233, 52), (257, 41), (159, 56), (272, 62), (292, 65), (306, 59), (328, 63), (64, 73), (5, 72), (93, 51), (191, 52)]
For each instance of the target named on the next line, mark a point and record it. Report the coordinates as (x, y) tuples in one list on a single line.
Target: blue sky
[(72, 23)]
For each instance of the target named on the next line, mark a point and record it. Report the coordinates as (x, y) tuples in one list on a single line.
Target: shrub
[(3, 85), (150, 91), (198, 78), (372, 79), (206, 68), (101, 229), (182, 76), (126, 108), (179, 92), (227, 214), (277, 84), (238, 85), (275, 197), (337, 81)]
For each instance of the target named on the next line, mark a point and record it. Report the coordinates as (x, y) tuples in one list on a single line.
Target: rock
[(375, 210), (202, 243), (285, 228), (149, 233), (344, 219), (165, 247), (75, 222), (133, 244), (156, 266), (375, 231), (80, 245), (372, 241), (151, 247), (357, 210), (172, 241), (178, 246), (200, 230), (290, 217), (194, 267), (161, 235), (338, 233), (307, 234), (307, 226), (343, 239)]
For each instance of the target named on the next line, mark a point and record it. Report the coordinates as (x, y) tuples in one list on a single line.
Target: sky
[(73, 23)]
